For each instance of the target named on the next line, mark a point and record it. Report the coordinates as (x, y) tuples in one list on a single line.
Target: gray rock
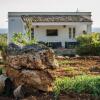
[(14, 49), (28, 65)]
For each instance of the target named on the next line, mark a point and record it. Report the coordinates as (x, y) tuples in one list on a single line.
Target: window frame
[(48, 33), (72, 32), (32, 32)]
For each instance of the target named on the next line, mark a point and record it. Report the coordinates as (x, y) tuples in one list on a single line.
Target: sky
[(49, 6)]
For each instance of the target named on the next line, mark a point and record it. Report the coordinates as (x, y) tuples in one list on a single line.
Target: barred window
[(70, 33), (52, 32), (74, 31), (32, 32)]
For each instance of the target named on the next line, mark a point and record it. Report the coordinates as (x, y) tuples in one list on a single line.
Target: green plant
[(23, 39), (79, 84), (0, 71), (3, 40), (62, 84), (69, 68), (3, 44), (65, 62), (89, 44)]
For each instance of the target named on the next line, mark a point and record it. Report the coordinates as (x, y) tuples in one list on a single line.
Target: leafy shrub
[(23, 39), (0, 71), (78, 84), (3, 40), (89, 44)]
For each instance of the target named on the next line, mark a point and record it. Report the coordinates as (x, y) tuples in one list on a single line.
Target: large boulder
[(31, 57), (29, 65), (34, 79), (2, 83)]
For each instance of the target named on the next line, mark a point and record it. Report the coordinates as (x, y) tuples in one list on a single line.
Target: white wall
[(15, 24), (40, 34), (63, 33)]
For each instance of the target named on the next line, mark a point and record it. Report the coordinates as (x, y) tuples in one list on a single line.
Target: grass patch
[(1, 71), (79, 84), (68, 68), (66, 62)]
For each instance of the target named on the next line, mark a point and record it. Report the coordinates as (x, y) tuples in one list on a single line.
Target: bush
[(3, 40), (23, 39), (78, 84), (0, 71), (89, 44)]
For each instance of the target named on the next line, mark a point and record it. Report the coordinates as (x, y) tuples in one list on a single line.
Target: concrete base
[(65, 52)]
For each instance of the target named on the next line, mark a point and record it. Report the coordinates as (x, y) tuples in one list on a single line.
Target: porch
[(55, 31), (55, 36)]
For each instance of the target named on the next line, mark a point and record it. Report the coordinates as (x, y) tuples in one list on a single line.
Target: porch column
[(35, 33), (63, 44)]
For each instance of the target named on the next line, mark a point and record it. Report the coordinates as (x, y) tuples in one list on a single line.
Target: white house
[(51, 27)]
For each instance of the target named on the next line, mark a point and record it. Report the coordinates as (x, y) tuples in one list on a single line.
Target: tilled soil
[(77, 66)]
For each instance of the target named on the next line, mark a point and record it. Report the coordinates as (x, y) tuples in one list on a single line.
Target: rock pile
[(29, 66)]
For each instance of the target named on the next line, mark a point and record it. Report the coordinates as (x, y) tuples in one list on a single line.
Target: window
[(52, 32), (74, 31), (70, 33), (71, 45), (32, 32), (54, 45)]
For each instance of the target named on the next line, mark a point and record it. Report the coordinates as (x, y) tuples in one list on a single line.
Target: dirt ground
[(70, 67), (78, 66)]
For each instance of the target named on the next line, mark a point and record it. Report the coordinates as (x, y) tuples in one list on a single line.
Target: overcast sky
[(49, 6)]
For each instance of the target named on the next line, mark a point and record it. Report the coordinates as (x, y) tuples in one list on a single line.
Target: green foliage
[(61, 62), (23, 39), (3, 40), (0, 71), (79, 84), (89, 44)]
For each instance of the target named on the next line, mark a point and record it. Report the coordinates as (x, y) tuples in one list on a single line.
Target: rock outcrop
[(29, 66), (2, 83)]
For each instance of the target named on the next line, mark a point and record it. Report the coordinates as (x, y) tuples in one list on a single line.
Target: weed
[(79, 84)]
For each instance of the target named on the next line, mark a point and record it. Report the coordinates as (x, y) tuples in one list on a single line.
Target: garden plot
[(74, 68)]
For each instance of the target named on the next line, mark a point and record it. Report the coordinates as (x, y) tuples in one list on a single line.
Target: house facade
[(50, 27)]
